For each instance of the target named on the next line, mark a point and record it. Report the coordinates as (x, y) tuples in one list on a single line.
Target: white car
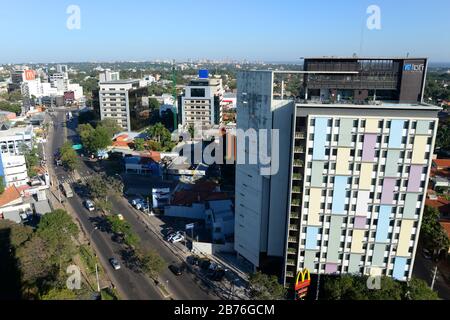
[(89, 205), (136, 202), (177, 238)]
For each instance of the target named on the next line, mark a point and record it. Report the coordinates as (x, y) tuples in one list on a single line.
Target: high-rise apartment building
[(126, 102), (201, 102), (360, 150)]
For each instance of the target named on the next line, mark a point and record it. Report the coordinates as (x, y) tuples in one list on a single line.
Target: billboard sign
[(203, 74), (302, 284), (30, 75), (412, 67)]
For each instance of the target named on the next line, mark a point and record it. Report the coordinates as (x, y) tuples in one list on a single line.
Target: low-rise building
[(13, 207), (11, 139), (13, 169)]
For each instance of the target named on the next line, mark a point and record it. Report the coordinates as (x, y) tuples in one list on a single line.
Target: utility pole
[(434, 277), (96, 275), (318, 286), (174, 80)]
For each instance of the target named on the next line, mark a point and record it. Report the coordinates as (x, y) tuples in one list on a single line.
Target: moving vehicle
[(89, 205), (67, 190), (175, 270), (115, 264)]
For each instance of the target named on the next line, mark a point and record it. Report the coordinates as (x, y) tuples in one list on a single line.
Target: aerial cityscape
[(161, 159)]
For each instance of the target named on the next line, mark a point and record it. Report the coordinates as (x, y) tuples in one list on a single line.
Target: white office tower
[(261, 202)]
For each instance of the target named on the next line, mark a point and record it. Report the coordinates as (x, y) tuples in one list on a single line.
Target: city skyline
[(240, 31)]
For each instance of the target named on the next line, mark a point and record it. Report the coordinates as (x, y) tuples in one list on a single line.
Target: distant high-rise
[(360, 150), (201, 102), (125, 102)]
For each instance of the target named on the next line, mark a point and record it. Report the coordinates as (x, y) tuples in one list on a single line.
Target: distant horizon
[(210, 60)]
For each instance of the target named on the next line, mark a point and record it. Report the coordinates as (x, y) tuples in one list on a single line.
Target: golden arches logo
[(301, 287)]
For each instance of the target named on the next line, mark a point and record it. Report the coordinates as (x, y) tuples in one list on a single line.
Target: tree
[(58, 231), (2, 184), (191, 131), (346, 287), (19, 234), (152, 264), (153, 104), (139, 144), (97, 187), (419, 290), (96, 139), (162, 136), (111, 126), (11, 107), (124, 229), (31, 159), (265, 287), (88, 117), (69, 156), (59, 294), (432, 233), (34, 260)]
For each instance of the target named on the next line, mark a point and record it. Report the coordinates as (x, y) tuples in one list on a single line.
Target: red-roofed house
[(12, 205), (190, 202)]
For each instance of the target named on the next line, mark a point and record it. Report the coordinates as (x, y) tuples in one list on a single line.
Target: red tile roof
[(200, 192), (9, 195), (154, 155), (441, 204), (442, 163), (446, 226)]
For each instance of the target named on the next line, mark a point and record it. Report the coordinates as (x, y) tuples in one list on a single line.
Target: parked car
[(120, 217), (193, 260), (173, 234), (89, 204), (170, 235), (176, 270), (115, 264), (177, 238), (136, 202), (204, 264), (218, 275)]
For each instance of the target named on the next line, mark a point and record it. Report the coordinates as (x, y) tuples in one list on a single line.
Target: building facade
[(358, 166), (358, 186), (200, 105), (13, 169), (125, 102), (12, 139)]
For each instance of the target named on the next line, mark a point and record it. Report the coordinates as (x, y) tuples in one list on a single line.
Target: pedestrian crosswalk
[(72, 179)]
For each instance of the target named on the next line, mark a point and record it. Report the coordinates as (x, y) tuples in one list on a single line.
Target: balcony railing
[(298, 163)]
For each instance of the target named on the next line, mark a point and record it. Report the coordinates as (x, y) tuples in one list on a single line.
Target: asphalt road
[(132, 285)]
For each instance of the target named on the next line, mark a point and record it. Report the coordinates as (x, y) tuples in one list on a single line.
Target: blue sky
[(269, 30)]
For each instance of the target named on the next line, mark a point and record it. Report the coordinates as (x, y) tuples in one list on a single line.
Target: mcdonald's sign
[(302, 284), (30, 75)]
